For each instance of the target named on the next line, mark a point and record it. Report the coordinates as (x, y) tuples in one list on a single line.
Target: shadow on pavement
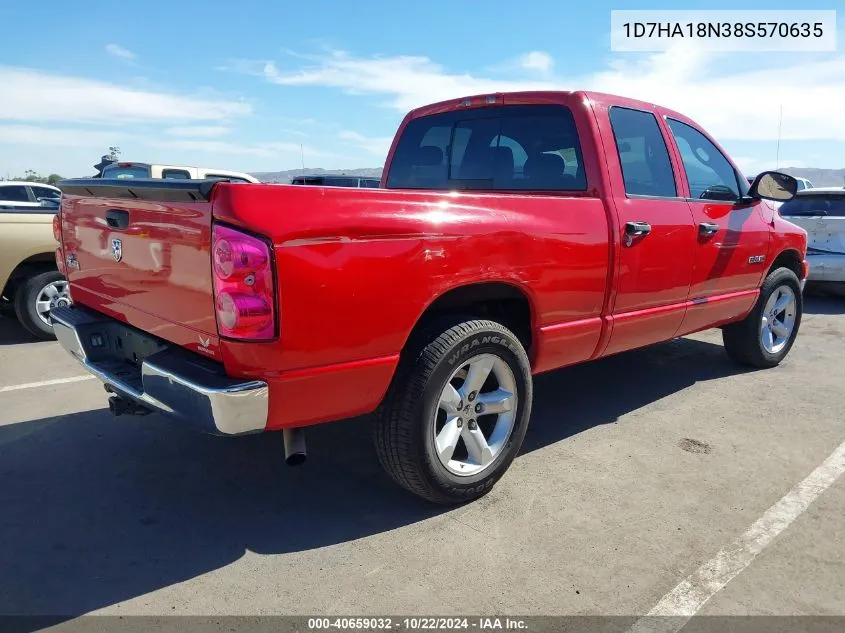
[(818, 302), (96, 511), (12, 333)]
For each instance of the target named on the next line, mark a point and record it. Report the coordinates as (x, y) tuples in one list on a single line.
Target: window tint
[(126, 171), (646, 168), (13, 193), (46, 192), (370, 183), (505, 148), (175, 174), (814, 205), (709, 173)]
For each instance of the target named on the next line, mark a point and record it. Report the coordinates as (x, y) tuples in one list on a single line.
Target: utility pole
[(302, 155), (780, 125)]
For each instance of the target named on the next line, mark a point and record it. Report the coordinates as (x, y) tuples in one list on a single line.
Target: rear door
[(656, 239), (732, 237)]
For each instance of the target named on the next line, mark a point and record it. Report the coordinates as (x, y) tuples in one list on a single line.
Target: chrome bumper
[(168, 379)]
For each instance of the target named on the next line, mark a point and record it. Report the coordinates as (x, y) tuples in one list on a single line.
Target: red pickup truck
[(513, 234)]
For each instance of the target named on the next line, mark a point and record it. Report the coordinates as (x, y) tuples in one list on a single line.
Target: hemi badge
[(756, 259)]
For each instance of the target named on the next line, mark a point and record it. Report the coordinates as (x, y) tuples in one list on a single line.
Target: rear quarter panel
[(358, 267)]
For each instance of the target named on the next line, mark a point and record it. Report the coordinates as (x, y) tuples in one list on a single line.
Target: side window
[(646, 168), (44, 192), (800, 184), (235, 178), (175, 174), (710, 175), (13, 193)]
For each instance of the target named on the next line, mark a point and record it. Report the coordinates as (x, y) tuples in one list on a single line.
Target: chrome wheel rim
[(475, 415), (778, 320), (50, 296)]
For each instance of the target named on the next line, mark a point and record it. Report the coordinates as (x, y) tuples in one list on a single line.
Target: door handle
[(637, 229), (708, 228), (117, 218)]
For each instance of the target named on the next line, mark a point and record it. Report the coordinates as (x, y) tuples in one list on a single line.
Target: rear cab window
[(499, 148), (175, 174), (832, 204), (126, 170)]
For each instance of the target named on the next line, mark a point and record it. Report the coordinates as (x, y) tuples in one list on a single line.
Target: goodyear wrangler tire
[(765, 336), (456, 413)]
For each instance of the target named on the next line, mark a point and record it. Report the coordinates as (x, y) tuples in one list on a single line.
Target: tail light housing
[(244, 292), (57, 228)]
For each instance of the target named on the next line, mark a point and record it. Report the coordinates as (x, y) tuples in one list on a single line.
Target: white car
[(123, 169), (821, 212), (803, 183), (20, 195)]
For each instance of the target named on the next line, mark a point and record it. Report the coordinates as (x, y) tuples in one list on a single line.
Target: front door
[(732, 237), (656, 231)]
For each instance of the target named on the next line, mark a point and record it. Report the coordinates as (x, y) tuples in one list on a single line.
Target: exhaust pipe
[(294, 446)]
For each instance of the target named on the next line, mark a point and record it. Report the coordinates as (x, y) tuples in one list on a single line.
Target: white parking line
[(45, 383), (685, 600)]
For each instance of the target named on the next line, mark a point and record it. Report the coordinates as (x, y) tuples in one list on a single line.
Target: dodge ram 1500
[(513, 234)]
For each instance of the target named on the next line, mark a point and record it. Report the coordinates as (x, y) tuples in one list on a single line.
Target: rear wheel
[(765, 336), (457, 412), (34, 299)]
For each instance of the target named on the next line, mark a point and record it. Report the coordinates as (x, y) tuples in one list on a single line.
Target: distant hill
[(285, 177), (819, 177)]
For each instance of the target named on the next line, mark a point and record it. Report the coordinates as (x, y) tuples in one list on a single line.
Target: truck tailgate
[(139, 251)]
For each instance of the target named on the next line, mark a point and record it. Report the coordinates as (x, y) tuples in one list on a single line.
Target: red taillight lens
[(57, 228), (244, 298), (60, 261)]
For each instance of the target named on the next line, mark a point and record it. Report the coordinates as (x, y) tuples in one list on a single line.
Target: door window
[(14, 193), (646, 168), (710, 175)]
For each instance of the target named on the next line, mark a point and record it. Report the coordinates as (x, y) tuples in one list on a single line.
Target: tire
[(410, 415), (26, 298), (745, 340)]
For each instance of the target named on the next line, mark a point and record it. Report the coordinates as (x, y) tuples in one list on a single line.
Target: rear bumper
[(166, 379)]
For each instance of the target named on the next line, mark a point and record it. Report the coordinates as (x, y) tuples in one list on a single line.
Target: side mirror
[(773, 185)]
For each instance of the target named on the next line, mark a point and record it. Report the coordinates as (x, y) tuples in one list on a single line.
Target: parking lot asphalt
[(636, 471)]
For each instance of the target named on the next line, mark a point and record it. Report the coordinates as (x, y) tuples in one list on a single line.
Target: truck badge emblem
[(116, 250), (204, 342), (756, 259)]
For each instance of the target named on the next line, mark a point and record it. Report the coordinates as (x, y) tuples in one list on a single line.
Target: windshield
[(123, 170), (834, 204)]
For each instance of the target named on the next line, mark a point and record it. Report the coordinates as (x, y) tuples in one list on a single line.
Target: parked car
[(516, 233), (125, 169), (821, 211), (16, 194), (803, 183), (30, 282), (336, 181)]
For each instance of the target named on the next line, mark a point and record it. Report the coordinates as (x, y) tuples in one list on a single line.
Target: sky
[(265, 86)]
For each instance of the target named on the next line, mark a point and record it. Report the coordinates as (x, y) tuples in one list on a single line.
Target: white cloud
[(378, 145), (203, 131), (32, 95), (731, 99), (33, 135), (119, 51), (537, 61)]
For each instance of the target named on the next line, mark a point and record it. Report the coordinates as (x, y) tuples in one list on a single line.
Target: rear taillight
[(57, 228), (60, 261), (244, 298)]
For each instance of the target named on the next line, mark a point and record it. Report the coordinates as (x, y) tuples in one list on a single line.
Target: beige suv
[(30, 283)]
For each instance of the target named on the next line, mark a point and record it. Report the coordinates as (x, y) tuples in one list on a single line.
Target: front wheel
[(765, 336), (456, 413)]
